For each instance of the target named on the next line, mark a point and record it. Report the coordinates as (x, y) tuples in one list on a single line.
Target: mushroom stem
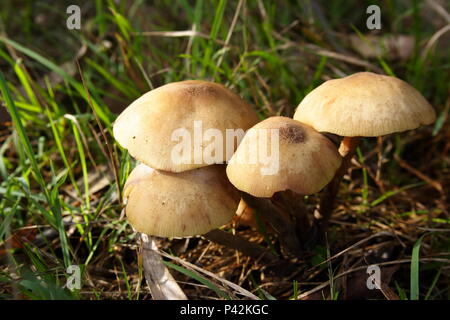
[(284, 228), (238, 243), (295, 205), (159, 280), (347, 150), (348, 147)]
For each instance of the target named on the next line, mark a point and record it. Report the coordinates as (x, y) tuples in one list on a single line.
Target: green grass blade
[(217, 22), (389, 194), (103, 113), (433, 284), (414, 294), (25, 142)]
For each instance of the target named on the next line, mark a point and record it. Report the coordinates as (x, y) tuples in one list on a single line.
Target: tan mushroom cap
[(167, 204), (307, 160), (365, 104), (147, 126)]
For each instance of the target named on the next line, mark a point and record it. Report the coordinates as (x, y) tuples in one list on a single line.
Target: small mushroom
[(189, 203), (306, 160), (364, 104), (301, 160), (146, 128)]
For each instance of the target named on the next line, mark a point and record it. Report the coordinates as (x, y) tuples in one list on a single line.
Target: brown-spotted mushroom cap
[(364, 104), (167, 204), (306, 159), (146, 128)]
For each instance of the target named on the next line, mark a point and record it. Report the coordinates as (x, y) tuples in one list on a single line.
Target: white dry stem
[(159, 280)]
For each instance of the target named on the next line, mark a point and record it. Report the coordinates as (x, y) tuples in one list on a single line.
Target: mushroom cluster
[(167, 197), (360, 105), (186, 195)]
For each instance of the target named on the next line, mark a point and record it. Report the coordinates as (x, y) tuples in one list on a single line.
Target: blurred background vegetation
[(58, 196)]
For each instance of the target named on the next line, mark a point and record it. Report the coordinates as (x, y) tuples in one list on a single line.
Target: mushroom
[(166, 204), (301, 160), (185, 204), (364, 104), (305, 159), (148, 127)]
